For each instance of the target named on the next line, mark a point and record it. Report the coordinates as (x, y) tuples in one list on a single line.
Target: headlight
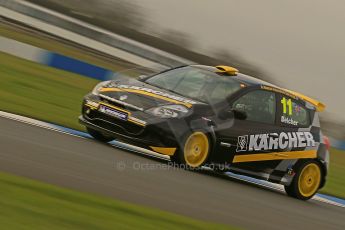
[(168, 111), (95, 90)]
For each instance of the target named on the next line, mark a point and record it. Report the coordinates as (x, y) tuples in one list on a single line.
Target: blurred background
[(295, 44)]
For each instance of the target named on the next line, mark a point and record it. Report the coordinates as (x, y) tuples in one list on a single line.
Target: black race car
[(201, 115)]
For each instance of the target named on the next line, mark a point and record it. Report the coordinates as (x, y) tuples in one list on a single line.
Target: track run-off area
[(71, 159)]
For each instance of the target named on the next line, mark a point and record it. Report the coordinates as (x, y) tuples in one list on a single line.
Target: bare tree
[(120, 12), (236, 61), (178, 38)]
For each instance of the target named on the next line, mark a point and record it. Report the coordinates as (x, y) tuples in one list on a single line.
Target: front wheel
[(99, 136), (195, 150), (306, 182)]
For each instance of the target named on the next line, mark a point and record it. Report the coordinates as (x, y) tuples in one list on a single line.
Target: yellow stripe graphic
[(275, 156), (147, 94), (91, 107), (165, 151)]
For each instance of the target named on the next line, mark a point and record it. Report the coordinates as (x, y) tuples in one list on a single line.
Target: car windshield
[(196, 83)]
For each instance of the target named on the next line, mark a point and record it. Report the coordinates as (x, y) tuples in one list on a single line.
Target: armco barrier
[(80, 39), (93, 32), (52, 59), (72, 65), (337, 144)]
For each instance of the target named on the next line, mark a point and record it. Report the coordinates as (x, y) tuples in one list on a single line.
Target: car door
[(245, 142)]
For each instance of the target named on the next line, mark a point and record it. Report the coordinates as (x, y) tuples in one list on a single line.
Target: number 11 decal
[(287, 104)]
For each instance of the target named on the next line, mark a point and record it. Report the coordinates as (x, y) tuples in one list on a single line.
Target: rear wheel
[(99, 136), (306, 182), (194, 151)]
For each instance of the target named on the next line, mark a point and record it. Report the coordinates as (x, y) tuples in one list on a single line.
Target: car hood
[(141, 96)]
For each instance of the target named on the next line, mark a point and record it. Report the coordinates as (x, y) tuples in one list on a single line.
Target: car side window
[(223, 89), (293, 113), (259, 105)]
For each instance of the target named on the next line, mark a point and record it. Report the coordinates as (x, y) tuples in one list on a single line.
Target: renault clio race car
[(201, 115)]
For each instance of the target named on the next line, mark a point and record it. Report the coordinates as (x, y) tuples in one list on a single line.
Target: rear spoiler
[(318, 105)]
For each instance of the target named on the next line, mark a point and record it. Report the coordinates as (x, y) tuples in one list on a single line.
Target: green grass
[(42, 92), (336, 179), (27, 204)]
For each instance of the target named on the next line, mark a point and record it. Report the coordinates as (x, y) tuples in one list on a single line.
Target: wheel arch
[(324, 172), (206, 126), (201, 125), (322, 165)]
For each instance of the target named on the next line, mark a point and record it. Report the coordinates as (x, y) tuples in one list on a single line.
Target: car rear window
[(294, 114)]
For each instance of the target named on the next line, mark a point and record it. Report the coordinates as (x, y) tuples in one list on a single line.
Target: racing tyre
[(306, 182), (99, 136), (194, 152)]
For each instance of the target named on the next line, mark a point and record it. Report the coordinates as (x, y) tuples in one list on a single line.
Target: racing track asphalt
[(89, 166)]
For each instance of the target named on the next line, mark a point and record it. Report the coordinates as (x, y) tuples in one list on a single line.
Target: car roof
[(248, 80), (252, 81)]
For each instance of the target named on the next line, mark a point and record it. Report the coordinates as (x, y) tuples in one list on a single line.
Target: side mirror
[(142, 77), (239, 114), (232, 113)]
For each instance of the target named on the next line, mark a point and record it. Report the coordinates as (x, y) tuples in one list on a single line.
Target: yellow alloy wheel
[(309, 180), (196, 149)]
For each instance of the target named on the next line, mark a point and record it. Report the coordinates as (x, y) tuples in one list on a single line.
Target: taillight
[(326, 142)]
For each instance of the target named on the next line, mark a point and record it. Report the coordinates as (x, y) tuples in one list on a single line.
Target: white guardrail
[(86, 34)]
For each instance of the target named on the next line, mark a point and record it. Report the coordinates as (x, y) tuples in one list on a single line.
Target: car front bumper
[(155, 136)]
